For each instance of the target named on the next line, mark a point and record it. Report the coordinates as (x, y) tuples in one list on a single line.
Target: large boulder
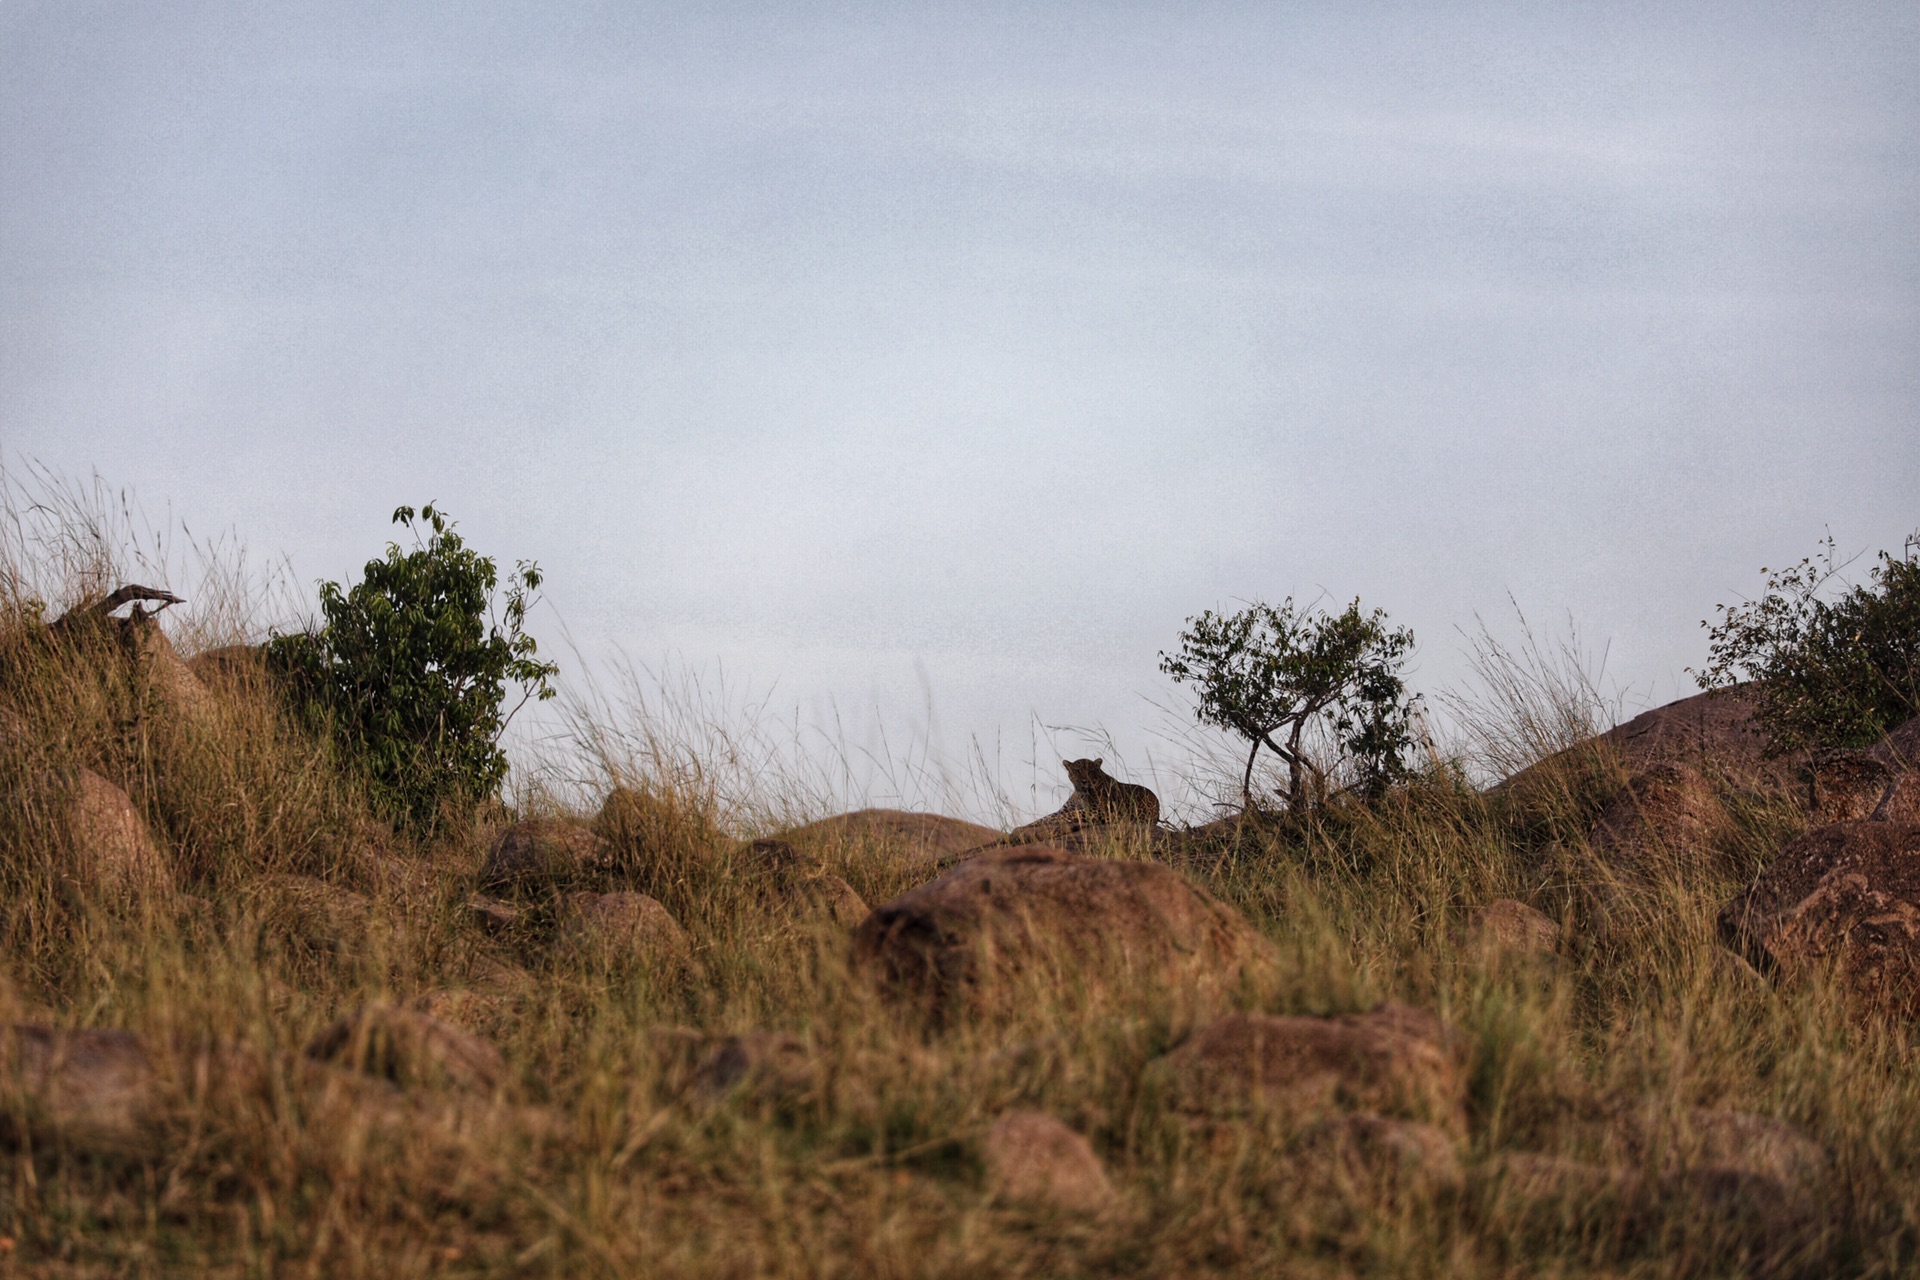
[(1393, 1060), (1846, 893), (537, 853), (1035, 1161), (93, 1089), (1038, 915), (113, 848), (1713, 733), (624, 926), (921, 840), (1667, 819)]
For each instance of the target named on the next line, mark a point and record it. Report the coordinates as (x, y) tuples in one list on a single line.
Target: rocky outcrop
[(1393, 1060), (537, 853), (1034, 1161), (95, 1090), (411, 1049), (1712, 733), (112, 847), (924, 840), (1667, 819), (626, 926), (797, 883), (1846, 893), (1038, 915)]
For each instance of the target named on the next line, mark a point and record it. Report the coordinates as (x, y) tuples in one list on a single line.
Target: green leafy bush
[(1269, 671), (1827, 673), (411, 665)]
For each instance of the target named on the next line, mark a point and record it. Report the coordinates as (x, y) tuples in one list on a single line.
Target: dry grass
[(597, 1161)]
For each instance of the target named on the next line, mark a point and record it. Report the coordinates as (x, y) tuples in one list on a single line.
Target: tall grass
[(598, 1159)]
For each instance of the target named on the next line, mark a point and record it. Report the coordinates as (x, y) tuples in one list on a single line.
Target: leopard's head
[(1084, 774)]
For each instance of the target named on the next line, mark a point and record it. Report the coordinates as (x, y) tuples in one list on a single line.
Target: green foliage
[(1828, 673), (411, 665), (1269, 671)]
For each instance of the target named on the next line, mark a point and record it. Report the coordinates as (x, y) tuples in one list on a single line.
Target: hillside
[(253, 1028)]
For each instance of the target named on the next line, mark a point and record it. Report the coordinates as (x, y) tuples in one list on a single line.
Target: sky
[(920, 369)]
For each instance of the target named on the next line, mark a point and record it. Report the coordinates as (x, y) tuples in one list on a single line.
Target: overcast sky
[(957, 353)]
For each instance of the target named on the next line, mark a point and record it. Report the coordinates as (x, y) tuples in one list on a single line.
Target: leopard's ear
[(1098, 761), (1066, 764)]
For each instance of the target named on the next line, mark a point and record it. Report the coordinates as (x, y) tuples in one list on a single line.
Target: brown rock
[(96, 1090), (1847, 786), (1755, 1144), (798, 881), (830, 898), (625, 924), (1848, 892), (1666, 819), (113, 848), (1711, 733), (1040, 914), (1901, 747), (1035, 1161), (923, 840), (539, 852), (1392, 1060), (1509, 927), (230, 665), (1901, 803), (412, 1049)]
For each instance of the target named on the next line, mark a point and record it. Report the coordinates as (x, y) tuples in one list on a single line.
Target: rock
[(1384, 1151), (230, 665), (625, 924), (1712, 733), (1755, 1144), (1847, 786), (94, 1090), (540, 852), (113, 849), (1038, 914), (1508, 927), (770, 1068), (922, 840), (1391, 1060), (1667, 819), (1901, 803), (828, 897), (1848, 892), (1035, 1161), (1901, 747), (312, 915), (799, 883), (411, 1049)]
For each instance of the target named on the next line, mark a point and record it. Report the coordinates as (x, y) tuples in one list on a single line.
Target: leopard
[(1104, 798)]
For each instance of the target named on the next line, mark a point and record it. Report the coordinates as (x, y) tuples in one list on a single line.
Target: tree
[(1268, 674), (411, 665), (1828, 672)]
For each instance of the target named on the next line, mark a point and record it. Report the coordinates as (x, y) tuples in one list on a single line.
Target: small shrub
[(1268, 671), (1828, 673), (410, 668)]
